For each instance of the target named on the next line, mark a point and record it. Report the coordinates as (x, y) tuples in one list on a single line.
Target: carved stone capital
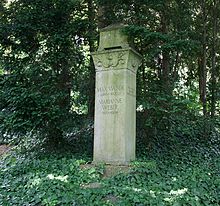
[(116, 59)]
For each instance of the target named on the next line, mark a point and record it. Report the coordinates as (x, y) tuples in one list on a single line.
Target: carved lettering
[(131, 91), (109, 90), (110, 106), (110, 101)]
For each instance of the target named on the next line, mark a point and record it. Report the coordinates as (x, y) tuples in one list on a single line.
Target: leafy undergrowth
[(178, 177)]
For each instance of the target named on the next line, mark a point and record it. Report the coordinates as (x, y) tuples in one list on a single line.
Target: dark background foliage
[(47, 74)]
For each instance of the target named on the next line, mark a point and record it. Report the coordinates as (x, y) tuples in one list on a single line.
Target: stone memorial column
[(116, 65)]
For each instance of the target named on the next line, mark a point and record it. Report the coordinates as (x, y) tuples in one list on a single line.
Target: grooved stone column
[(116, 65)]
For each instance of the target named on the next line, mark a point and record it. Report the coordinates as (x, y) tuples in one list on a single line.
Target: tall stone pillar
[(116, 65)]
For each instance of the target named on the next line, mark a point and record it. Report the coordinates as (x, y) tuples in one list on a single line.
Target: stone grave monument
[(116, 64)]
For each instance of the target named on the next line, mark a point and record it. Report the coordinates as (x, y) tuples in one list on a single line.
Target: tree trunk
[(213, 68), (202, 63), (165, 66), (91, 40)]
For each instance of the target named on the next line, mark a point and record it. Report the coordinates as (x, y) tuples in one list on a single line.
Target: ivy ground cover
[(183, 178)]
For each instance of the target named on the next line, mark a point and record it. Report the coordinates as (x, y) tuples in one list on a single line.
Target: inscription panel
[(110, 98)]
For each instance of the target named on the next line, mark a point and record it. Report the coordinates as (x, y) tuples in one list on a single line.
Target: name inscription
[(110, 105), (109, 90), (114, 90)]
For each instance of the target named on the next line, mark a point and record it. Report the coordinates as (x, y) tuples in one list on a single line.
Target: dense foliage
[(47, 75), (41, 55), (46, 69)]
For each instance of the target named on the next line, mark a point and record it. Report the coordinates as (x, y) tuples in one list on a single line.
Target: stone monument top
[(113, 37)]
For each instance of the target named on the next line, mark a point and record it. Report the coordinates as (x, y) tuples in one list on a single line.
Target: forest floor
[(185, 175)]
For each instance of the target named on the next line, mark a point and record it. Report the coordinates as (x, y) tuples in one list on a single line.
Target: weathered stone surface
[(112, 37), (115, 103)]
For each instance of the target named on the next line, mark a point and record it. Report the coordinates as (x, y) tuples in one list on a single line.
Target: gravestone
[(116, 64)]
